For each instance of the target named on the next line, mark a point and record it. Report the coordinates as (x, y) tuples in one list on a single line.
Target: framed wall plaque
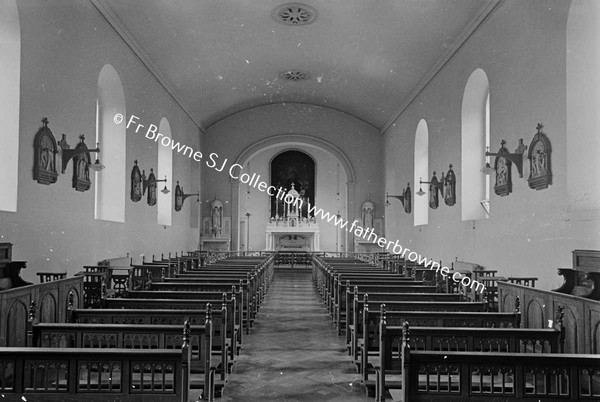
[(540, 170), (81, 167), (503, 166), (45, 150), (136, 183)]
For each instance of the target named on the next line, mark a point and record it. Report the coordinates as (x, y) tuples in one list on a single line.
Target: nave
[(255, 329), (293, 353)]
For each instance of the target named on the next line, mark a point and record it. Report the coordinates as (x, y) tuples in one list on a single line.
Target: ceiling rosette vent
[(294, 14), (294, 75)]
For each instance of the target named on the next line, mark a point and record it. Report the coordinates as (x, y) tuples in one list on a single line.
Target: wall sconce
[(434, 182), (405, 199), (180, 197), (516, 157), (152, 180), (434, 200), (398, 197), (68, 153)]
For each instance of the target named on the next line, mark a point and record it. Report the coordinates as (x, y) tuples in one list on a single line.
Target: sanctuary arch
[(333, 192)]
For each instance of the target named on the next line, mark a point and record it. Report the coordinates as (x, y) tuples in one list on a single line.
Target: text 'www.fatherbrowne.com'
[(236, 172)]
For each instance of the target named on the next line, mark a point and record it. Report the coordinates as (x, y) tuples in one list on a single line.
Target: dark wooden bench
[(90, 374), (228, 299), (493, 340), (247, 301), (335, 295), (367, 323), (172, 312), (130, 336), (337, 300), (346, 317), (484, 376)]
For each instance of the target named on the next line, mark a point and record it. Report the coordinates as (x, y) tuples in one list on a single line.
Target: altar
[(282, 237), (291, 227)]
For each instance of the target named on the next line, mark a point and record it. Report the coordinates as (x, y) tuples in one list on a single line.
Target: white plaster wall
[(522, 49)]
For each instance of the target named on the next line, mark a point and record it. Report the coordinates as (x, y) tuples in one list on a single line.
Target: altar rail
[(52, 299), (581, 315)]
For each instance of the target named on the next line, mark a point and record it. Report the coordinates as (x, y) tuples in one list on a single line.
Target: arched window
[(475, 137), (421, 204), (10, 82), (583, 108), (111, 181), (165, 169)]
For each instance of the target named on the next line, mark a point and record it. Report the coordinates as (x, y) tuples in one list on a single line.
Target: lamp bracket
[(398, 197), (68, 153), (516, 157), (147, 182)]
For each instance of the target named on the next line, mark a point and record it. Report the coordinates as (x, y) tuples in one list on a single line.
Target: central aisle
[(293, 352)]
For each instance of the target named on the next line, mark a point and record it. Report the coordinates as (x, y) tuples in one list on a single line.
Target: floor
[(293, 352)]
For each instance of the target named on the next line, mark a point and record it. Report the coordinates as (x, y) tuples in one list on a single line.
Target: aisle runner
[(293, 352)]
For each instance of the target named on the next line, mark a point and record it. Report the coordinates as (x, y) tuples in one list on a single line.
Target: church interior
[(296, 189)]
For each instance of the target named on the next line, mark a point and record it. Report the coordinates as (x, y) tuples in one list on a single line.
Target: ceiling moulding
[(115, 22), (312, 105), (484, 12)]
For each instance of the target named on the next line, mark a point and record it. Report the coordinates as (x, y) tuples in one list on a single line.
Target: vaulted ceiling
[(367, 58)]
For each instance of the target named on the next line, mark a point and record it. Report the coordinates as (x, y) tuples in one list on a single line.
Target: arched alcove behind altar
[(330, 189), (292, 168)]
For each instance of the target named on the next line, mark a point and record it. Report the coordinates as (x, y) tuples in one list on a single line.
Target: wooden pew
[(222, 344), (130, 336), (228, 299), (335, 295), (346, 318), (339, 301), (493, 340), (364, 333), (76, 374), (248, 299), (485, 376)]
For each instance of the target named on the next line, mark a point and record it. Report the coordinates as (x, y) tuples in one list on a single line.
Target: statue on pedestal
[(216, 208), (368, 212)]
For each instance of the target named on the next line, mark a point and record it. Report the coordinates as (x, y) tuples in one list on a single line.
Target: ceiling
[(367, 58)]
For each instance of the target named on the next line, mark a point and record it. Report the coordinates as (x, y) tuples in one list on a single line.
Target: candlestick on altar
[(308, 209), (276, 207)]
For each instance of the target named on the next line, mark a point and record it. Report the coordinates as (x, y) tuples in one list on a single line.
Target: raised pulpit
[(10, 271), (584, 278)]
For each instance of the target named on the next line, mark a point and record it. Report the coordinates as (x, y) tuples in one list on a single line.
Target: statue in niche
[(217, 217), (502, 165), (502, 173), (540, 173), (368, 210), (46, 159), (450, 187), (45, 150), (136, 183), (81, 166)]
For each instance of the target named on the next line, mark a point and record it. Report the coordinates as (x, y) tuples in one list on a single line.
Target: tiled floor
[(293, 352)]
